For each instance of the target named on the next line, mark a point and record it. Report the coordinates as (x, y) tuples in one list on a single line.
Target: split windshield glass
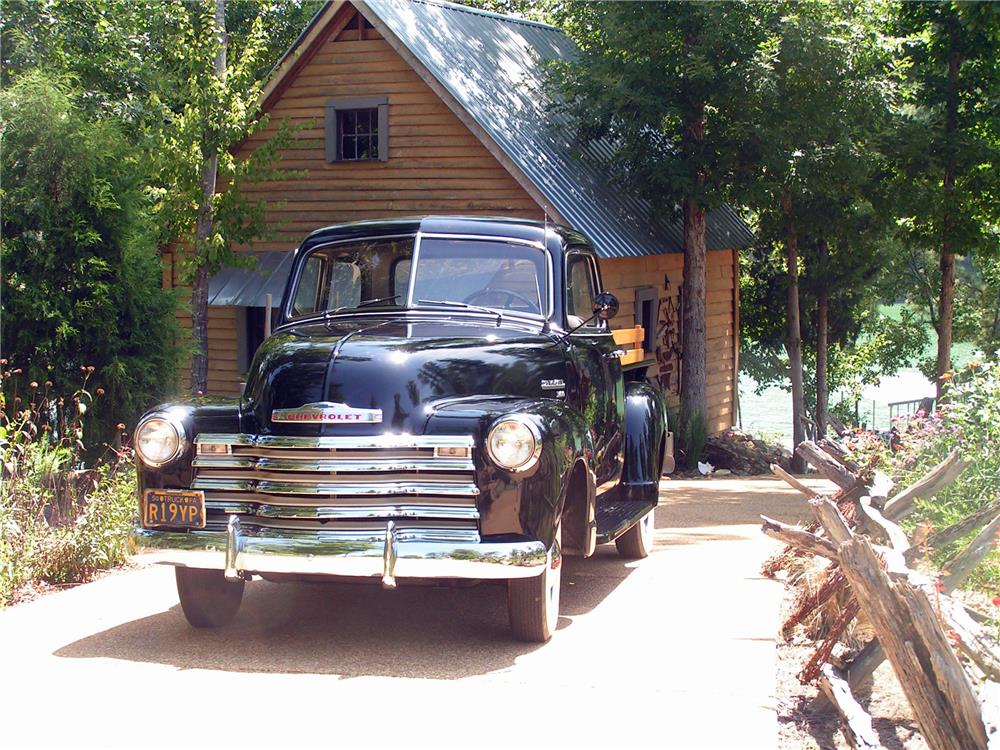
[(499, 275)]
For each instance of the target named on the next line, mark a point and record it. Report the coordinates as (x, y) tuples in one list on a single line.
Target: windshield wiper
[(367, 302), (465, 305)]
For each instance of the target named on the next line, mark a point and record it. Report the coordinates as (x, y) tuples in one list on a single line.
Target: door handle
[(614, 354)]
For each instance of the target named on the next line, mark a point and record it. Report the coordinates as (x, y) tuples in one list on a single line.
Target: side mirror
[(606, 306)]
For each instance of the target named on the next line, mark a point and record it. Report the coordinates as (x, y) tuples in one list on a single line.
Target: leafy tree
[(817, 106), (946, 152), (666, 86), (81, 278)]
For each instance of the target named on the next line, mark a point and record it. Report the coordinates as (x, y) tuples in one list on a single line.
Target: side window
[(581, 288), (307, 297)]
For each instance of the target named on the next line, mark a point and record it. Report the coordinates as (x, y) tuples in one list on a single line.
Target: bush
[(970, 421), (81, 277), (59, 521)]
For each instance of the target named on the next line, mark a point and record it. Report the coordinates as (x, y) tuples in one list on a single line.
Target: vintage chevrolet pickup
[(441, 398)]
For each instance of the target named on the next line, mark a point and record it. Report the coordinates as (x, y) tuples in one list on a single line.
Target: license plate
[(175, 509)]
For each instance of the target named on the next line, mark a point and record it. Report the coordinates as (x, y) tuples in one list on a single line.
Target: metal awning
[(241, 287)]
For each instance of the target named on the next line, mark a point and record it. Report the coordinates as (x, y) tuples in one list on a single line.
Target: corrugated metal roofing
[(493, 66), (249, 288)]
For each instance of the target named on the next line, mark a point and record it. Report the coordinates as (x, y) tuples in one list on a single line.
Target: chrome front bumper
[(244, 549)]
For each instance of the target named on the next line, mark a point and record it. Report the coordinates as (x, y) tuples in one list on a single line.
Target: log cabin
[(407, 107)]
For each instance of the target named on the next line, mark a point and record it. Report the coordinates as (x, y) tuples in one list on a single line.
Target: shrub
[(970, 421), (81, 276), (59, 521)]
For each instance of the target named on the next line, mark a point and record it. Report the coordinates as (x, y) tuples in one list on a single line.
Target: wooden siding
[(665, 273)]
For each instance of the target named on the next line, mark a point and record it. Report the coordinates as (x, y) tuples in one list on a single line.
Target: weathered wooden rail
[(937, 650)]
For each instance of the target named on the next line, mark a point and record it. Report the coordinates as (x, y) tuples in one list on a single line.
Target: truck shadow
[(353, 630)]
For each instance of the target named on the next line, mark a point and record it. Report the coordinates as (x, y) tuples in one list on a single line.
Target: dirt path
[(676, 651)]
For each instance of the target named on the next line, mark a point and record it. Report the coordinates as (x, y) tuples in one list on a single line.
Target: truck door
[(599, 388)]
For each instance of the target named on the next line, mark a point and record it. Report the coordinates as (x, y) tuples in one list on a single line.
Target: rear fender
[(645, 429)]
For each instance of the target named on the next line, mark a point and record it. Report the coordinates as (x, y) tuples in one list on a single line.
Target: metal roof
[(493, 66), (249, 288)]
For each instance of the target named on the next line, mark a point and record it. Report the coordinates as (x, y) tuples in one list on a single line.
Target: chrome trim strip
[(457, 489), (349, 553), (413, 269), (345, 466), (389, 552), (233, 538), (387, 441), (349, 512)]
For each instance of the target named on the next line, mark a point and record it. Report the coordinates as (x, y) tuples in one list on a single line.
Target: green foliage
[(59, 522), (690, 436), (970, 421), (81, 277), (646, 72)]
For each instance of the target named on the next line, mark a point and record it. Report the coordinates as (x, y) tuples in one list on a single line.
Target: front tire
[(637, 542), (208, 600), (533, 603)]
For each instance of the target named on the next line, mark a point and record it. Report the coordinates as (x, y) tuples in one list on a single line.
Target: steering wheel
[(511, 296)]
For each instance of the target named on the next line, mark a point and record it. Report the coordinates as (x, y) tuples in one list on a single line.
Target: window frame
[(335, 107), (592, 326)]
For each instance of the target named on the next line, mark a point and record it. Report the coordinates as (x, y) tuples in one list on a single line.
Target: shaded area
[(353, 630)]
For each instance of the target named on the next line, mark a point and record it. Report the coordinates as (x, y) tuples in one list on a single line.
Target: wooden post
[(928, 670)]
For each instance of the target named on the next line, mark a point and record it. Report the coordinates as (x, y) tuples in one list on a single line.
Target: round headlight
[(514, 443), (159, 440)]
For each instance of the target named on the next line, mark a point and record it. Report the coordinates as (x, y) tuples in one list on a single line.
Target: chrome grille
[(314, 480)]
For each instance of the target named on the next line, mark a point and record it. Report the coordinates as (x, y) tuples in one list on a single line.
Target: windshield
[(500, 275)]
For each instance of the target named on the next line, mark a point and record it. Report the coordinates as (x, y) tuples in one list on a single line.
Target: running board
[(618, 516)]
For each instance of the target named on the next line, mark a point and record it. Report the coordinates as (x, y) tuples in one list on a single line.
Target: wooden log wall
[(624, 275)]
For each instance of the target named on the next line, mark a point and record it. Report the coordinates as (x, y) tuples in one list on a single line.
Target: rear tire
[(533, 603), (637, 542), (208, 600)]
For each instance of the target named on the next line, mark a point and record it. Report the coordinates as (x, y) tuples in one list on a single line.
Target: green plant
[(59, 520), (970, 422), (690, 435)]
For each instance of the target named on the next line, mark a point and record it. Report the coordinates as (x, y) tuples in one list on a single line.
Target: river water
[(770, 412)]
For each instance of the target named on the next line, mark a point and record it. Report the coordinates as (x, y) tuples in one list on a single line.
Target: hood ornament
[(327, 412)]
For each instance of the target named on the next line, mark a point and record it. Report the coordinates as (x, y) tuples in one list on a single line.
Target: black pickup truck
[(441, 398)]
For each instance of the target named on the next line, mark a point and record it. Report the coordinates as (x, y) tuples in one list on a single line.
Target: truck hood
[(404, 367)]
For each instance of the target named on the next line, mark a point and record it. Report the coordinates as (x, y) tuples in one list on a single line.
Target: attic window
[(357, 129)]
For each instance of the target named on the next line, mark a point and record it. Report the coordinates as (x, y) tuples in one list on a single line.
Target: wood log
[(835, 424), (971, 639), (856, 724), (831, 519), (793, 482), (957, 569), (930, 483), (827, 466), (838, 454), (931, 677), (897, 539), (799, 538), (951, 533)]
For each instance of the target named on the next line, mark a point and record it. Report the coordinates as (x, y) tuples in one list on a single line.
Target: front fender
[(645, 428), (526, 503), (197, 415)]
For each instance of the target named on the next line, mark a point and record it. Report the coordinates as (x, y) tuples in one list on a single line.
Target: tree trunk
[(693, 398), (203, 229), (946, 301), (793, 344), (822, 343)]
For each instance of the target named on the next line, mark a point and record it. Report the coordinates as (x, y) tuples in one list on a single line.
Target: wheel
[(637, 542), (207, 598), (533, 603), (511, 296)]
